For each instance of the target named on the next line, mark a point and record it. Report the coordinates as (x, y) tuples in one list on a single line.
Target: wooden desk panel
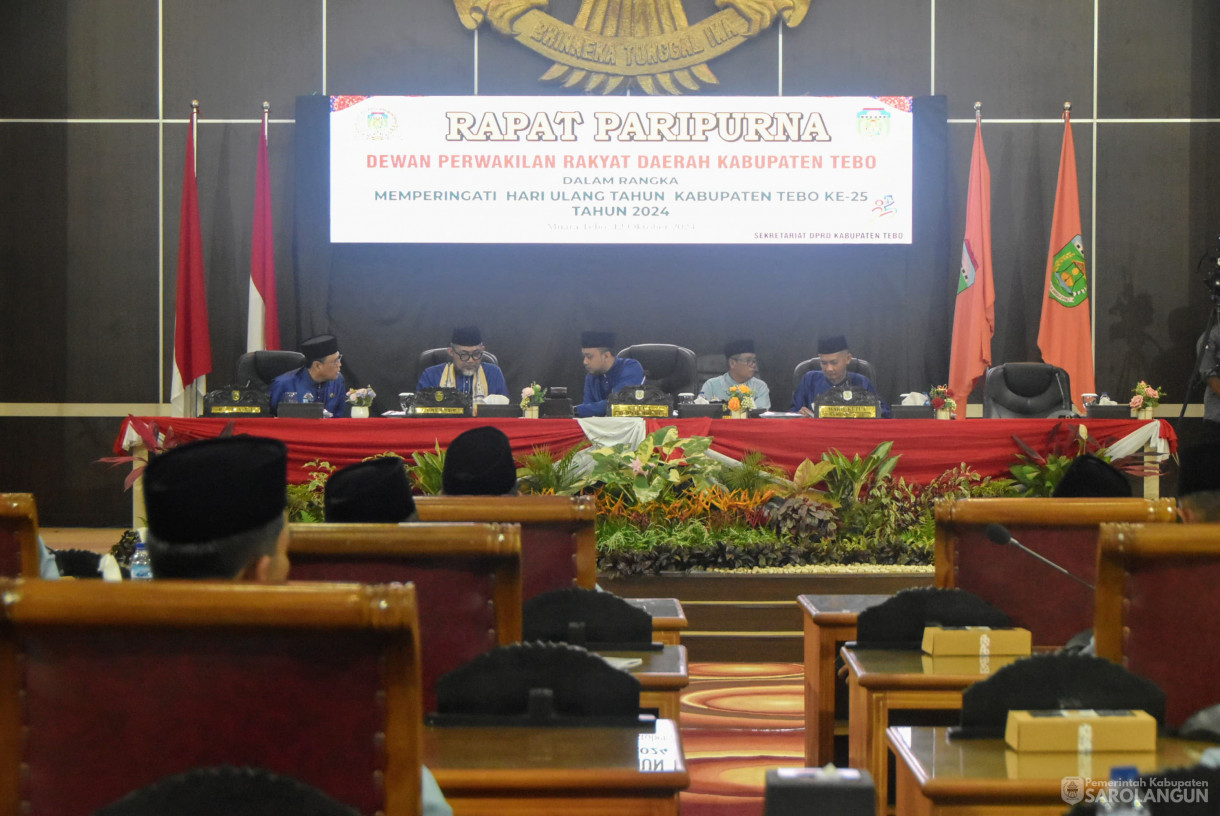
[(830, 621), (662, 677), (490, 771), (943, 777), (883, 680), (668, 618)]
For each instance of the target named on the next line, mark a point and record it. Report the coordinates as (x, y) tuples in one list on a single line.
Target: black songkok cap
[(215, 488), (375, 491), (320, 347), (735, 347), (832, 344), (1089, 476), (479, 462), (1199, 468), (597, 339), (467, 336)]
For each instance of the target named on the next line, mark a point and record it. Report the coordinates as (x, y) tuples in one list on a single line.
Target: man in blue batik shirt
[(465, 370), (606, 373), (833, 355), (318, 380)]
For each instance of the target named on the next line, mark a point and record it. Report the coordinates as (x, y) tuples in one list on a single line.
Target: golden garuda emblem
[(616, 44)]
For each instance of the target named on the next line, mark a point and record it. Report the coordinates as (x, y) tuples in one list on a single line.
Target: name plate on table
[(846, 403), (847, 411), (640, 410), (240, 401), (425, 410), (640, 401), (440, 402)]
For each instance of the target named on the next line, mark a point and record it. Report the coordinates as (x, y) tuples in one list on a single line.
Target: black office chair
[(256, 369), (1026, 390), (708, 366), (857, 365), (1054, 681), (229, 790), (671, 368), (437, 356)]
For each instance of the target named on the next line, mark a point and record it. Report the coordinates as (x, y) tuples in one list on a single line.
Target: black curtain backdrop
[(387, 303)]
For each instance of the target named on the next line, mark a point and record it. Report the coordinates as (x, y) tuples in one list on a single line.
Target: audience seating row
[(471, 571)]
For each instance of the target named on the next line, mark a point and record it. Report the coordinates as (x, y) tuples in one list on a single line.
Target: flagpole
[(190, 391)]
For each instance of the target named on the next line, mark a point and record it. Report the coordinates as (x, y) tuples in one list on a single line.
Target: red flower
[(938, 402)]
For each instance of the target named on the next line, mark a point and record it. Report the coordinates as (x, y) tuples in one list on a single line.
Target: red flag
[(1065, 334), (974, 311), (192, 340), (263, 322)]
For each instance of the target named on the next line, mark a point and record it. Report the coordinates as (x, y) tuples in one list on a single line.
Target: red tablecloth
[(928, 447)]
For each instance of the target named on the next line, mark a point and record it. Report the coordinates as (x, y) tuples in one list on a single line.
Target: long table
[(928, 447)]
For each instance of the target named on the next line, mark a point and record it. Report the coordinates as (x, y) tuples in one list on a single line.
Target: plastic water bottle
[(1122, 796), (141, 569)]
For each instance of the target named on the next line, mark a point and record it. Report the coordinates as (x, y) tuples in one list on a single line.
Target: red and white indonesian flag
[(192, 339), (263, 321)]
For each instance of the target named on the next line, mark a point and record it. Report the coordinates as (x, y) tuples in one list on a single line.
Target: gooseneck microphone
[(999, 534)]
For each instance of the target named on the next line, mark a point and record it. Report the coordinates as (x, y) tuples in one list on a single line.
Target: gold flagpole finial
[(195, 105), (978, 111), (266, 106)]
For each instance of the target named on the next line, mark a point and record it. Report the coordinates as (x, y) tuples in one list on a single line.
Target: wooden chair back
[(106, 688), (558, 533), (18, 535), (467, 578), (1157, 607), (1051, 605)]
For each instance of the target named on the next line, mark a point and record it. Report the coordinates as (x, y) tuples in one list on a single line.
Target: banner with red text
[(714, 170)]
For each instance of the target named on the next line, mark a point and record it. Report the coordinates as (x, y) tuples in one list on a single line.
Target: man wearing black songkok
[(833, 357), (479, 462), (373, 491), (216, 510)]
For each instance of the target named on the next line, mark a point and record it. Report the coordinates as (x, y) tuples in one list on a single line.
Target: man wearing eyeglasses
[(465, 370), (743, 366), (319, 380)]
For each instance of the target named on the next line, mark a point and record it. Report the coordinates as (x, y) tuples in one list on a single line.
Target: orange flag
[(974, 312), (1065, 335)]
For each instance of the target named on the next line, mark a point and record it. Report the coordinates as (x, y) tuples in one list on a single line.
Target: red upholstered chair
[(558, 534), (1158, 607), (467, 578), (18, 535), (1051, 605), (106, 688)]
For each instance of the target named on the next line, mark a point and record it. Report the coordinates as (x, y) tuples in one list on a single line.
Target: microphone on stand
[(999, 534)]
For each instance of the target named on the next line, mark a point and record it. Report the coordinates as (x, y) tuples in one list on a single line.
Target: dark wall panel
[(1153, 59), (111, 268), (1151, 305), (233, 54), (33, 260), (847, 47), (78, 58), (1021, 59), (392, 47), (55, 459)]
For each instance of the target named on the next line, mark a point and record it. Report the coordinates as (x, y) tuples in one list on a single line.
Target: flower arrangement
[(532, 395), (942, 398), (361, 396), (741, 398), (1145, 396)]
